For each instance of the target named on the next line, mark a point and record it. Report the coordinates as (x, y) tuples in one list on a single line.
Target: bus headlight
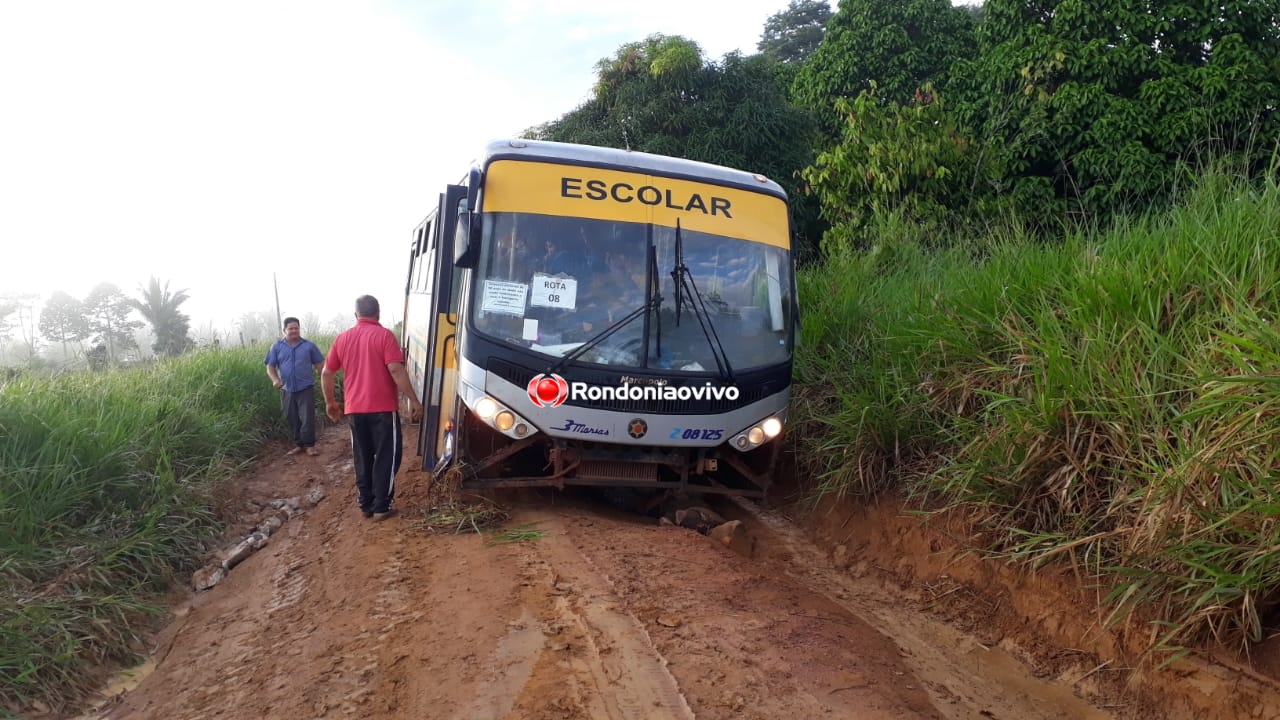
[(771, 427), (758, 434), (501, 418), (486, 408)]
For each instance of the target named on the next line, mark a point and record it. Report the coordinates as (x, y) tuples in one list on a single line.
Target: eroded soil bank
[(1047, 619)]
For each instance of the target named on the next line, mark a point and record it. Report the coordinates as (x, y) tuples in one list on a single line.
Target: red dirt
[(608, 615)]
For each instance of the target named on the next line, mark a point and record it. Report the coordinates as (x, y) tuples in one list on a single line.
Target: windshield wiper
[(651, 288), (683, 281), (652, 300)]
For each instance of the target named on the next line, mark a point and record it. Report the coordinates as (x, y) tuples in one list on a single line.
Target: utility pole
[(276, 285)]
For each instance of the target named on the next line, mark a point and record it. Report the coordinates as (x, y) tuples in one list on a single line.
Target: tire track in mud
[(509, 669), (290, 584), (744, 641), (347, 685), (931, 649), (628, 672), (577, 652)]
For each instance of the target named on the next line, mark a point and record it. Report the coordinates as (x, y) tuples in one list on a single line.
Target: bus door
[(414, 357), (439, 397)]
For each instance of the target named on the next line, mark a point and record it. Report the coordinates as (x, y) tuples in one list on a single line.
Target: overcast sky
[(212, 144)]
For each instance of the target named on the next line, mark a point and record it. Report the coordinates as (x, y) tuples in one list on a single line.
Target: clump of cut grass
[(528, 532), (458, 516), (1108, 401)]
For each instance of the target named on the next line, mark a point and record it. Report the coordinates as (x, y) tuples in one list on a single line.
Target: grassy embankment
[(105, 501), (1112, 401)]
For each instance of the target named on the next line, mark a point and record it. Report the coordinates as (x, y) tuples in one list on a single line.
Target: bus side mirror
[(474, 177), (466, 240)]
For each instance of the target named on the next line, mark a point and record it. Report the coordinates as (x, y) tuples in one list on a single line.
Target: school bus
[(580, 315)]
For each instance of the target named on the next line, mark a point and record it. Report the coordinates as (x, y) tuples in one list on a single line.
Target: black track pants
[(376, 450)]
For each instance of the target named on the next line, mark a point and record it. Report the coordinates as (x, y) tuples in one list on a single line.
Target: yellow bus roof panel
[(603, 194)]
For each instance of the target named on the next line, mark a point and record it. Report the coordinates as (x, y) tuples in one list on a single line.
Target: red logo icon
[(548, 390), (637, 428)]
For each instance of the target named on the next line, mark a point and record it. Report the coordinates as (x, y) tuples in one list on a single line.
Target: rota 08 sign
[(548, 390)]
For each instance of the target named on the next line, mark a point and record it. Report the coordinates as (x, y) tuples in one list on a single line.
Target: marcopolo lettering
[(645, 194)]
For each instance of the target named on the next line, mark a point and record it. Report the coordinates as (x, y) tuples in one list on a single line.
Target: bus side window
[(428, 244)]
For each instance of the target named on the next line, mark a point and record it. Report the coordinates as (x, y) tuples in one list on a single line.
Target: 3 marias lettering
[(645, 194), (577, 427)]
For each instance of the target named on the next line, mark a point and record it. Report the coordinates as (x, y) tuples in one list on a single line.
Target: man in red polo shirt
[(373, 372)]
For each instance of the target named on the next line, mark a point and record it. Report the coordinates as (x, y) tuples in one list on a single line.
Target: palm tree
[(160, 308)]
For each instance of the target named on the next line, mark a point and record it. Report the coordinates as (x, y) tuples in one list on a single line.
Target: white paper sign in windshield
[(554, 292), (504, 297)]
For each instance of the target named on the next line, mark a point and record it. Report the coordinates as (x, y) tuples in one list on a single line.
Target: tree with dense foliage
[(660, 96), (107, 311), (1090, 106), (893, 157), (159, 307), (792, 35), (898, 44), (907, 163), (63, 321)]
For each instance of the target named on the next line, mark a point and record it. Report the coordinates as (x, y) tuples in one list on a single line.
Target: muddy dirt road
[(603, 615)]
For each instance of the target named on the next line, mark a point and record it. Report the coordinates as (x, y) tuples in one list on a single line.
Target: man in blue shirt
[(291, 364)]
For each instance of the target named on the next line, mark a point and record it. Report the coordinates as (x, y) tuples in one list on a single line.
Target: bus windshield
[(552, 283)]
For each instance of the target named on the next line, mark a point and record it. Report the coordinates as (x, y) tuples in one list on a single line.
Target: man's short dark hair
[(367, 306), (290, 320)]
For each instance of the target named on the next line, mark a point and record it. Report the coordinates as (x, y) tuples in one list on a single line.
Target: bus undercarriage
[(488, 459)]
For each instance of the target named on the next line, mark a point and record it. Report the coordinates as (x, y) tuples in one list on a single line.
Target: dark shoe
[(367, 513), (380, 516)]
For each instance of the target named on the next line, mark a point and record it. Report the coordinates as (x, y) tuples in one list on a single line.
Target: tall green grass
[(105, 483), (1112, 400)]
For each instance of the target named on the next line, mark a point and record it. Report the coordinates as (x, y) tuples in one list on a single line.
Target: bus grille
[(611, 470)]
